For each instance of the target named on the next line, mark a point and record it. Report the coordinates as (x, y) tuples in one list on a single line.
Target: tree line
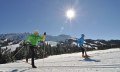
[(6, 55)]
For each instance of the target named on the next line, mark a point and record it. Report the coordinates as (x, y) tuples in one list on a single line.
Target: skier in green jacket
[(33, 41)]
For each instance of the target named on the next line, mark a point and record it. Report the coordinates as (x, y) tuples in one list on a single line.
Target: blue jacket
[(80, 41)]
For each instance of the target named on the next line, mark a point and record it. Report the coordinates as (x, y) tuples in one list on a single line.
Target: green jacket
[(34, 40)]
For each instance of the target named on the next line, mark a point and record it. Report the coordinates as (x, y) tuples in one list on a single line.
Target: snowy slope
[(52, 43), (12, 47), (100, 61)]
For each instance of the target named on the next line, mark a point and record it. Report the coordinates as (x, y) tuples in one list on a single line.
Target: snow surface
[(12, 47), (52, 43), (100, 61)]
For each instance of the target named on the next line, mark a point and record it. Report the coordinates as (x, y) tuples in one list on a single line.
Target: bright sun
[(70, 13)]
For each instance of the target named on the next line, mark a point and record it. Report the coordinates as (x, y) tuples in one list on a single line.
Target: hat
[(36, 33), (82, 35)]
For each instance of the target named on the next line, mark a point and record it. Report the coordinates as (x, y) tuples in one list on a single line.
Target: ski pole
[(90, 45), (17, 52), (43, 52)]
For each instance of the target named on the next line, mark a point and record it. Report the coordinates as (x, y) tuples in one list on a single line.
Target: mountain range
[(22, 36)]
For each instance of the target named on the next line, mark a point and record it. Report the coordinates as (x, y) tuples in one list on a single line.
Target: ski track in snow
[(100, 61)]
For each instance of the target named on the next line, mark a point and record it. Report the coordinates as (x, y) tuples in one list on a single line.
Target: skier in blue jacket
[(80, 42)]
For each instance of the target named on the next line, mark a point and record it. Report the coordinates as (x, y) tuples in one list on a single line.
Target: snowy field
[(100, 61)]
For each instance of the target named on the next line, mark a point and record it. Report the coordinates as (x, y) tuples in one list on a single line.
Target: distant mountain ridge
[(22, 36), (61, 37)]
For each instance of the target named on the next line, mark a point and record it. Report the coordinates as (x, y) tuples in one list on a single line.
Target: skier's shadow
[(90, 60), (15, 70)]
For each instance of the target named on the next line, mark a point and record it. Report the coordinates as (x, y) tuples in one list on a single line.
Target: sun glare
[(70, 13)]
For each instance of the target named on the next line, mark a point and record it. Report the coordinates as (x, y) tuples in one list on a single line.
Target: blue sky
[(97, 19)]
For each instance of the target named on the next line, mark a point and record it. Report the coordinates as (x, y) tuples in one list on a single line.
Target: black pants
[(82, 49), (32, 54)]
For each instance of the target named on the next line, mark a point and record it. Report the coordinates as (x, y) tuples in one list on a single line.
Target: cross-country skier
[(33, 40), (41, 44), (80, 42)]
